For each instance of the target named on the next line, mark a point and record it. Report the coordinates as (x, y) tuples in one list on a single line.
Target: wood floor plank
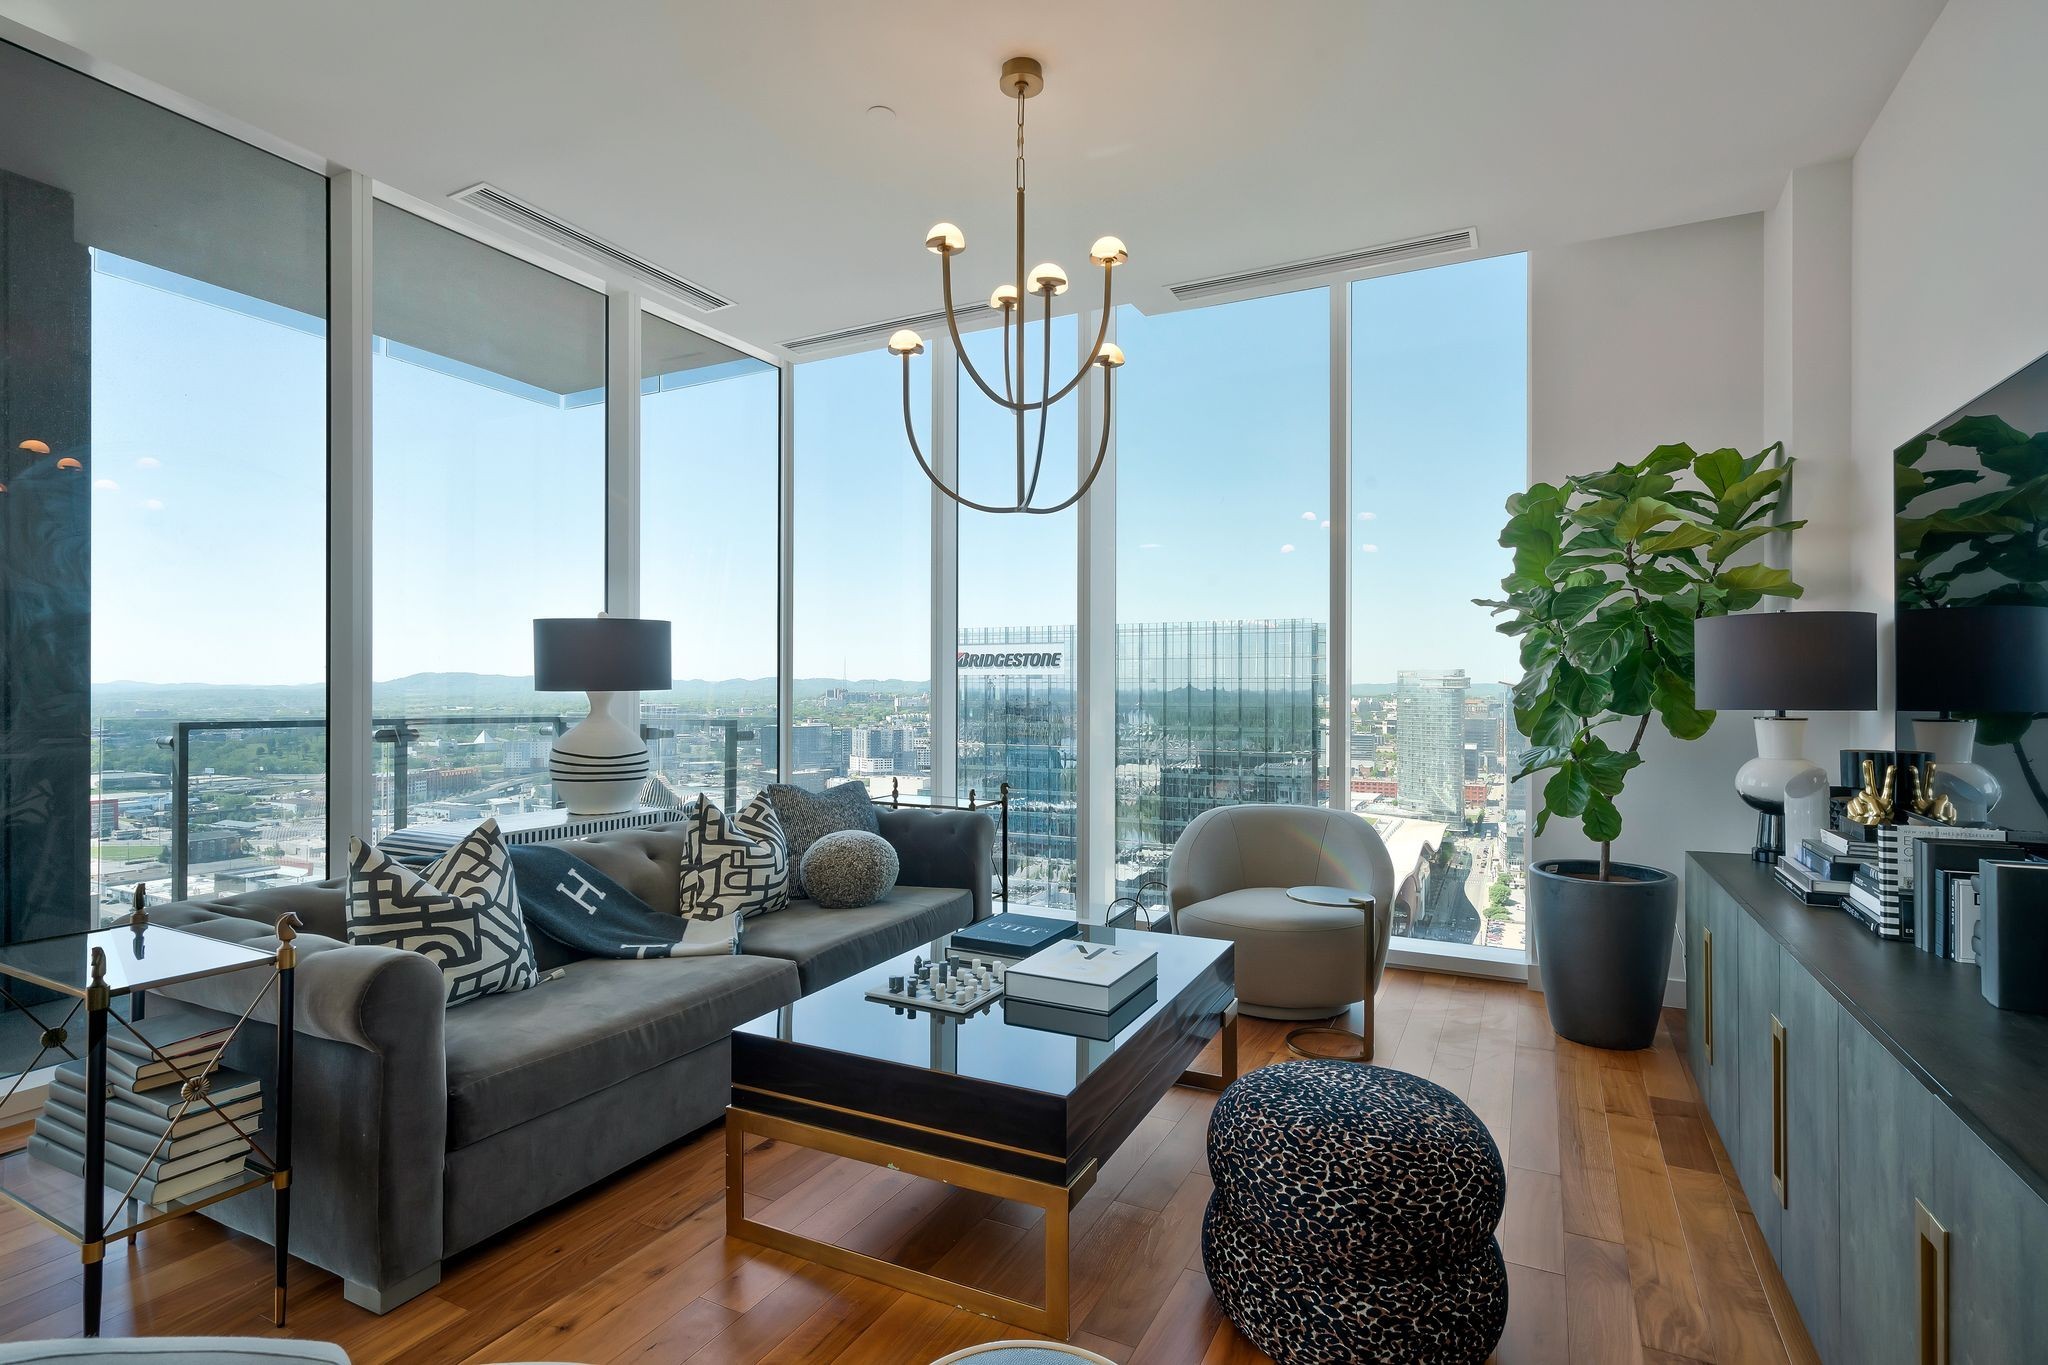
[(1667, 1301), (1791, 1331), (1532, 1227), (1149, 1268), (1184, 1325), (1536, 1332), (1591, 1198), (1532, 1123), (1738, 1313), (1600, 1326)]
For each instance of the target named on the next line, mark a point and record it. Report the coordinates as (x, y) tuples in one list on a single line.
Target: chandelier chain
[(1020, 137)]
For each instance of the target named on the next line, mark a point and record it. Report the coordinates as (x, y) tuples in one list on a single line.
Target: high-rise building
[(1016, 725), (1429, 768)]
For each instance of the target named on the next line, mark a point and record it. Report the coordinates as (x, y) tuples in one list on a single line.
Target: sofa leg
[(384, 1298)]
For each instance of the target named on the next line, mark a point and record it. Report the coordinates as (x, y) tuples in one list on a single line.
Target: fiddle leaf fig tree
[(1610, 572)]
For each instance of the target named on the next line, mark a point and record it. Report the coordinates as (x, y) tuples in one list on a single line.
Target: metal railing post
[(181, 806), (399, 814), (732, 763)]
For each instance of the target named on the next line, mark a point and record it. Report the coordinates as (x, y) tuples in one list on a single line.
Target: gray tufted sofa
[(420, 1131)]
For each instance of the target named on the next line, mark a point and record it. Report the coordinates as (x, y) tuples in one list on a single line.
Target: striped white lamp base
[(600, 766)]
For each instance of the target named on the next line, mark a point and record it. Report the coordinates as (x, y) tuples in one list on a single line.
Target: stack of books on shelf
[(1822, 870), (1088, 990), (176, 1149), (1899, 913)]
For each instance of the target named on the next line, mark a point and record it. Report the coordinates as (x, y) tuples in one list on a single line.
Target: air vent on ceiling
[(1439, 244), (494, 201), (878, 332)]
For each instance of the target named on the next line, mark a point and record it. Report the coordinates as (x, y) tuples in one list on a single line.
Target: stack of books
[(176, 1149), (1821, 871), (1089, 990)]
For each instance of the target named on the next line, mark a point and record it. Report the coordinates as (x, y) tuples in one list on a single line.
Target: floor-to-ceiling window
[(710, 459), (862, 595), (163, 357), (1439, 439), (1223, 554), (488, 391), (1015, 661)]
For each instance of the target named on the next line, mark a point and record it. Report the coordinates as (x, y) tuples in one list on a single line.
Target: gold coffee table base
[(1346, 1046)]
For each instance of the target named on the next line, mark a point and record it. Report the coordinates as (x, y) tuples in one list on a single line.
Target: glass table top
[(840, 1018), (158, 955)]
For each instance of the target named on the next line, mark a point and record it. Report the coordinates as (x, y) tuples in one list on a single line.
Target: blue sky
[(209, 523)]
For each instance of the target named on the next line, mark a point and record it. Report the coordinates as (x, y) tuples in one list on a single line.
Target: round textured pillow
[(849, 868), (1358, 1166), (1303, 1312)]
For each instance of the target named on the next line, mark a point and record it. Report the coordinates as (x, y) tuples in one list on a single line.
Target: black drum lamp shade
[(1988, 660), (601, 654), (1786, 661)]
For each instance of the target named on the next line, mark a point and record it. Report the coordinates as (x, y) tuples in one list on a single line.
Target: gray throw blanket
[(590, 914)]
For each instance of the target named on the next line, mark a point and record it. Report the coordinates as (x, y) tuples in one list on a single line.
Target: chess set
[(955, 986)]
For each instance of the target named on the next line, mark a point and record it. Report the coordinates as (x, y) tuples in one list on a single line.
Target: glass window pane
[(488, 423), (1016, 650), (1223, 583), (863, 577), (710, 453), (163, 510), (1440, 366)]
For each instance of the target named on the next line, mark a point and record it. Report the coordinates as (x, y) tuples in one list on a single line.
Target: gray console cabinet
[(1889, 1128)]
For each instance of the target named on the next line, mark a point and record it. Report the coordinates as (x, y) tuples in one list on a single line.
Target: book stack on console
[(167, 1148), (1821, 871)]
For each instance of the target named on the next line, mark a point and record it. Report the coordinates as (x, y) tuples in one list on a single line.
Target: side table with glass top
[(90, 971), (1330, 1042)]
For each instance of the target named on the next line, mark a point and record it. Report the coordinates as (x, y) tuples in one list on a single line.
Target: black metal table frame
[(274, 1166)]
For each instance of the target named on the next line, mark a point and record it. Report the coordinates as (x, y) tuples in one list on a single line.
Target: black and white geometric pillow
[(733, 866), (462, 911)]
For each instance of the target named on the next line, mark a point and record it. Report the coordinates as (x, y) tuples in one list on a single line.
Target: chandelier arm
[(910, 431), (1101, 335), (1101, 450), (953, 328), (1007, 390), (1044, 409)]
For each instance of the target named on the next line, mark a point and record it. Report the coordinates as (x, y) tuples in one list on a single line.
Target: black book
[(1011, 936), (1935, 855)]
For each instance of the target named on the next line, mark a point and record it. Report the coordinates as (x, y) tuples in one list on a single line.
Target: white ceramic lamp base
[(601, 764), (1957, 774), (1763, 781)]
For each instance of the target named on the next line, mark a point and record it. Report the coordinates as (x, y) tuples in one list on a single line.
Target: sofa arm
[(944, 848), (369, 1098)]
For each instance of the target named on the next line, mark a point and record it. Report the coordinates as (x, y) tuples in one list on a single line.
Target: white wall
[(1949, 291), (1636, 341)]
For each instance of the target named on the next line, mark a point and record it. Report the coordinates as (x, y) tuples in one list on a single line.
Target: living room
[(857, 683)]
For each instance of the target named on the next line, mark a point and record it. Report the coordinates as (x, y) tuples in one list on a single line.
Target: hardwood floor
[(1626, 1236)]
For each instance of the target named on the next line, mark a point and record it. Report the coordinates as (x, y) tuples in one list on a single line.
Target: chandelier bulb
[(906, 342), (68, 463), (35, 447), (1108, 251), (1004, 298), (945, 240), (1048, 278), (1110, 356)]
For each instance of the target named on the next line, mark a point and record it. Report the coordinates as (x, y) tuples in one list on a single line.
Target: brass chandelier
[(1022, 78)]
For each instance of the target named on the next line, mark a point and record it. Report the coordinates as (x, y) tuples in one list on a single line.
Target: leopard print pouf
[(1353, 1217)]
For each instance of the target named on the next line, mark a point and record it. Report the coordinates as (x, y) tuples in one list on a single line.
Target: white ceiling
[(729, 143)]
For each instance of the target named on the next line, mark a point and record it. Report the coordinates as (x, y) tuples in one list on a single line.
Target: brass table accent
[(129, 960), (1347, 1046)]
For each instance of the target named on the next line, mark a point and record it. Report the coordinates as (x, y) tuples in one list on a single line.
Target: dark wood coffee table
[(1015, 1112)]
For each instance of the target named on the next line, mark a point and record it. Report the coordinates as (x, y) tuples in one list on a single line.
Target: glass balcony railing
[(244, 805)]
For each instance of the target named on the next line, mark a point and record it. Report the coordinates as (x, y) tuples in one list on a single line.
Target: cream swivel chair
[(1228, 878)]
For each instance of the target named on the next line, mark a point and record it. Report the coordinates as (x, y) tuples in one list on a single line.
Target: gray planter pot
[(1604, 949)]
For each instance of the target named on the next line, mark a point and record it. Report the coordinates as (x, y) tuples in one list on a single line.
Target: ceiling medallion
[(1022, 78)]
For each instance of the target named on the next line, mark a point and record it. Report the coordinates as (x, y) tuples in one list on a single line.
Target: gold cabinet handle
[(1778, 1142), (1707, 954), (1930, 1240)]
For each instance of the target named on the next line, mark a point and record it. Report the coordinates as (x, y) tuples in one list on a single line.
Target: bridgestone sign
[(1047, 659)]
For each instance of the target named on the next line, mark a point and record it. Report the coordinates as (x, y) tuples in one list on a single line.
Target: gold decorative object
[(1022, 78), (1873, 806), (1925, 802)]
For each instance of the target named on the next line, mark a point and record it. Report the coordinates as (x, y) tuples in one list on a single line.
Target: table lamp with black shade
[(1781, 661), (1985, 661), (600, 765)]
